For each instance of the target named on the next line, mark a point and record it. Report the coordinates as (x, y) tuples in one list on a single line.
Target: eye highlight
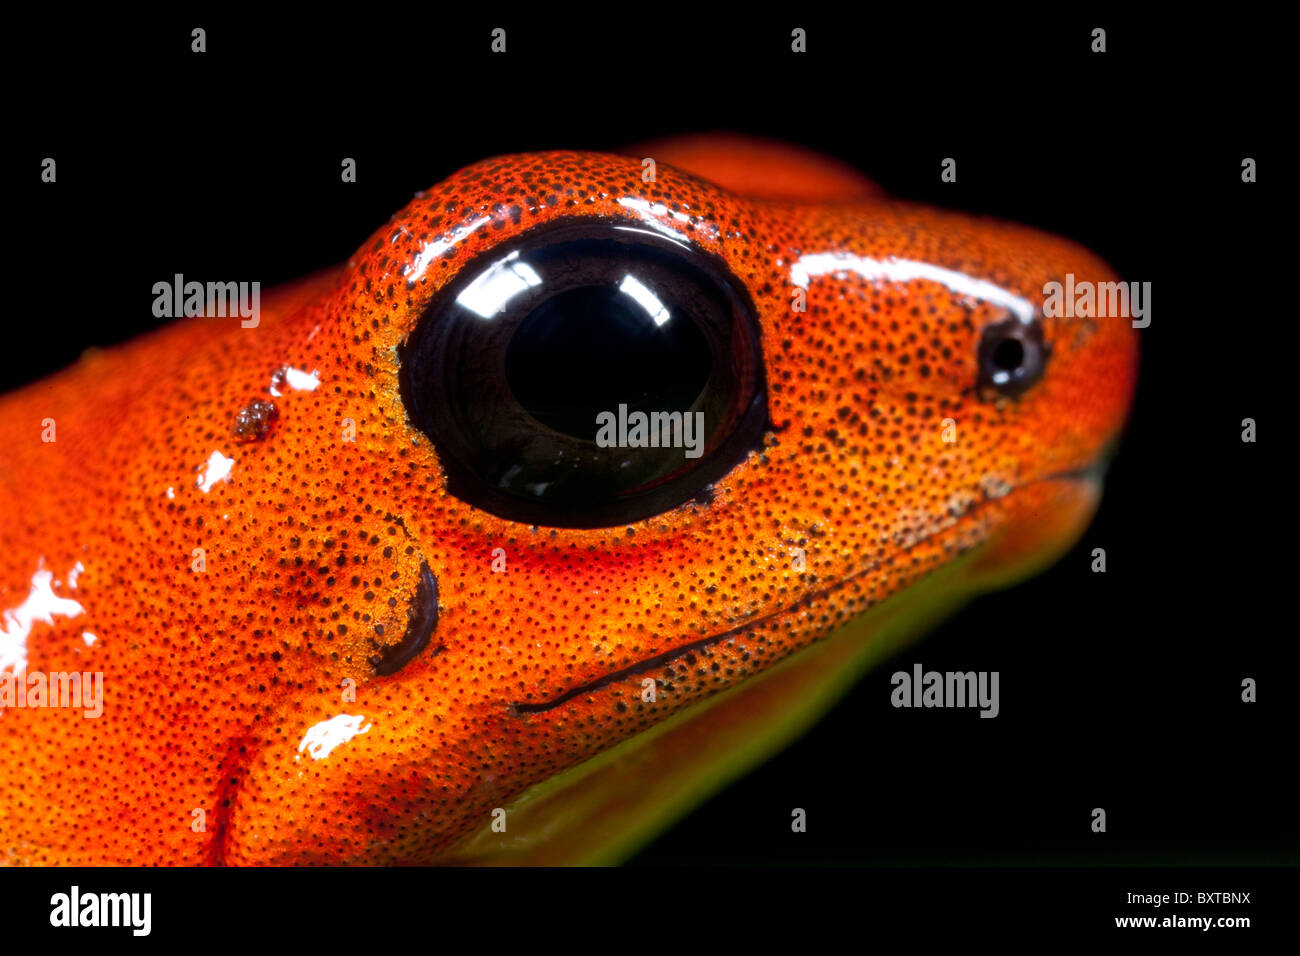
[(587, 375), (1012, 356)]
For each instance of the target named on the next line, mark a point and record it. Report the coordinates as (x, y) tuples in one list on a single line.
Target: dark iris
[(1012, 356), (530, 369)]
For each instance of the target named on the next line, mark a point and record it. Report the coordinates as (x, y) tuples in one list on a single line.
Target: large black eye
[(586, 375), (1012, 356)]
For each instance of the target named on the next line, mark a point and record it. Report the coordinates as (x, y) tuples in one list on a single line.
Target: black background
[(1119, 690)]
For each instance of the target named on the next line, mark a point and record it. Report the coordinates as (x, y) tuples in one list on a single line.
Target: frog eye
[(1012, 356), (587, 375)]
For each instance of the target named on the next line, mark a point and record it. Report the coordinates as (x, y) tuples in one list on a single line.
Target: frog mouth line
[(1090, 473)]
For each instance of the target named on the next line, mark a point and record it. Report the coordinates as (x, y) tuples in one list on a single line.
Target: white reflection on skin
[(677, 240), (321, 739), (433, 250), (300, 380), (217, 469), (648, 210), (808, 266), (296, 379), (41, 604)]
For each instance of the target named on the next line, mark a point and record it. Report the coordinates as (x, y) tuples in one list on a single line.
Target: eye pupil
[(591, 349)]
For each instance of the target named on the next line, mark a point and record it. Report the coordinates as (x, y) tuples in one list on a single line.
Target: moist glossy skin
[(214, 679)]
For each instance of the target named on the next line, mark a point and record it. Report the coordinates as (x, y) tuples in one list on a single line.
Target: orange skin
[(212, 678)]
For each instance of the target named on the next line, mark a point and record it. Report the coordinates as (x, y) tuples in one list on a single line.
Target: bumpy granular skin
[(218, 662)]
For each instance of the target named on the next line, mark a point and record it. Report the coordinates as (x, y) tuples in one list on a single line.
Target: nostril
[(1009, 355), (422, 623), (1012, 357)]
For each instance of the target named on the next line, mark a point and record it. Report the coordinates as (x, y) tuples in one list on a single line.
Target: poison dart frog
[(363, 587)]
